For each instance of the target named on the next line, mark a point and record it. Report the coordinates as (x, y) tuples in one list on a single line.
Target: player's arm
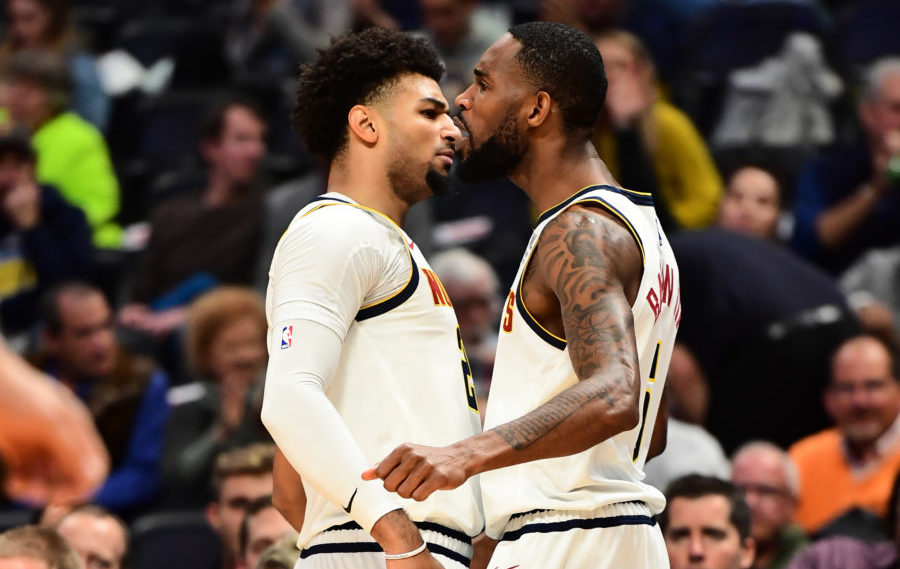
[(584, 259), (288, 495)]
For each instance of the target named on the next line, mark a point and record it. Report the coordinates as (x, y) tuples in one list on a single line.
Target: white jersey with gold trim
[(403, 375), (533, 365)]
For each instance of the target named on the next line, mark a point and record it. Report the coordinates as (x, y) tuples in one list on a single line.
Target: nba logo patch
[(287, 337)]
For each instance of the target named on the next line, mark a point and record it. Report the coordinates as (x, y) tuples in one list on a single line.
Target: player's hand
[(416, 471)]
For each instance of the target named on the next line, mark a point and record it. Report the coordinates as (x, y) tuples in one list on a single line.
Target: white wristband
[(407, 555)]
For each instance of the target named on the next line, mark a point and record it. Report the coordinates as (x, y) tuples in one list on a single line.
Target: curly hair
[(566, 64), (212, 313), (354, 69)]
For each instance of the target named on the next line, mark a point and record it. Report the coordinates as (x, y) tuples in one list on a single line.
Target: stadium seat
[(174, 540), (865, 32)]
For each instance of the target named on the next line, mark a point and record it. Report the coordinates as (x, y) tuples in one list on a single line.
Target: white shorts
[(347, 546), (617, 536)]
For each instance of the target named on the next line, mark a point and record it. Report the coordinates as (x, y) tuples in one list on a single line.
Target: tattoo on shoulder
[(580, 257)]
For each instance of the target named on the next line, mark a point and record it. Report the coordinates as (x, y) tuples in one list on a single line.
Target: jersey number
[(508, 313), (467, 374), (646, 406)]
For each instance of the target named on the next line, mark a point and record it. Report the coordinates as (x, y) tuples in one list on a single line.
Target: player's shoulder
[(337, 225)]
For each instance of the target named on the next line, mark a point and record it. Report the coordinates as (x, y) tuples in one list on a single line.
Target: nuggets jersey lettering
[(533, 365), (403, 377)]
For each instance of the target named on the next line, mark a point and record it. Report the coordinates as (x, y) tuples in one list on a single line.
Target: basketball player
[(587, 331), (364, 347)]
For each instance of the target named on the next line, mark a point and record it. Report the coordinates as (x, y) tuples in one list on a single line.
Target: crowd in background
[(147, 170)]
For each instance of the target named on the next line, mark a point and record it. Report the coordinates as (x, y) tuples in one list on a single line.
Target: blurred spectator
[(770, 483), (262, 527), (872, 285), (706, 524), (267, 38), (848, 199), (475, 293), (843, 552), (45, 24), (209, 237), (751, 203), (853, 463), (690, 449), (71, 153), (589, 16), (226, 348), (758, 321), (125, 394), (461, 31), (639, 122), (98, 537), (282, 554), (32, 547), (49, 446), (240, 476), (43, 239)]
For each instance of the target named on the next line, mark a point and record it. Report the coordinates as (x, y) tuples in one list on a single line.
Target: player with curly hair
[(364, 347)]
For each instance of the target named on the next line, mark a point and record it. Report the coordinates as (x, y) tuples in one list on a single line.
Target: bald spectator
[(770, 483), (98, 537), (32, 547), (854, 463)]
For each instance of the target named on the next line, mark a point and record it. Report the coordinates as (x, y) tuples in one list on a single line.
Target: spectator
[(872, 285), (770, 483), (853, 463), (640, 124), (690, 449), (240, 476), (45, 24), (751, 203), (847, 201), (32, 547), (43, 239), (776, 320), (226, 345), (461, 31), (706, 524), (282, 554), (125, 394), (475, 293), (71, 153), (99, 538), (262, 527), (210, 237)]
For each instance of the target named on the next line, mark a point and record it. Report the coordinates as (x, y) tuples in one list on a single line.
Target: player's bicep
[(581, 258)]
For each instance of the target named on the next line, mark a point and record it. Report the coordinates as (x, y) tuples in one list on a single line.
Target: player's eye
[(430, 113)]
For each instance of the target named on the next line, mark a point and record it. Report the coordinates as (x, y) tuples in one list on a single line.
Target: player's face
[(762, 476), (421, 137), (700, 535), (863, 397), (493, 145), (750, 204)]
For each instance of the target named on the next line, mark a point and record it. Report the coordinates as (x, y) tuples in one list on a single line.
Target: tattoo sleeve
[(579, 257)]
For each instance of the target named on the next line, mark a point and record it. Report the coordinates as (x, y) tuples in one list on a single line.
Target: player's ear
[(362, 123), (540, 108)]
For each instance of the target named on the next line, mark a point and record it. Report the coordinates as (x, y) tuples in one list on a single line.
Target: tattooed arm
[(583, 275)]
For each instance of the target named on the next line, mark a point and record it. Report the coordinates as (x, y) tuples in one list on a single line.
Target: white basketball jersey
[(403, 377), (533, 365)]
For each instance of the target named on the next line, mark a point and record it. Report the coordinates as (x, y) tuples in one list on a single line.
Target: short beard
[(497, 156), (439, 183)]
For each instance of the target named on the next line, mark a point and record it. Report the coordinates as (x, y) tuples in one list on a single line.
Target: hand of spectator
[(233, 402), (22, 204), (134, 315), (48, 443), (141, 317)]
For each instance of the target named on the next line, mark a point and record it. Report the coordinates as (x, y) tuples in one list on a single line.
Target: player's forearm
[(580, 417)]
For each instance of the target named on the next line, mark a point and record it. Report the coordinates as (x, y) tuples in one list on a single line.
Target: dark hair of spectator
[(213, 124), (50, 314), (355, 69), (565, 63), (694, 486), (255, 507), (48, 70)]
